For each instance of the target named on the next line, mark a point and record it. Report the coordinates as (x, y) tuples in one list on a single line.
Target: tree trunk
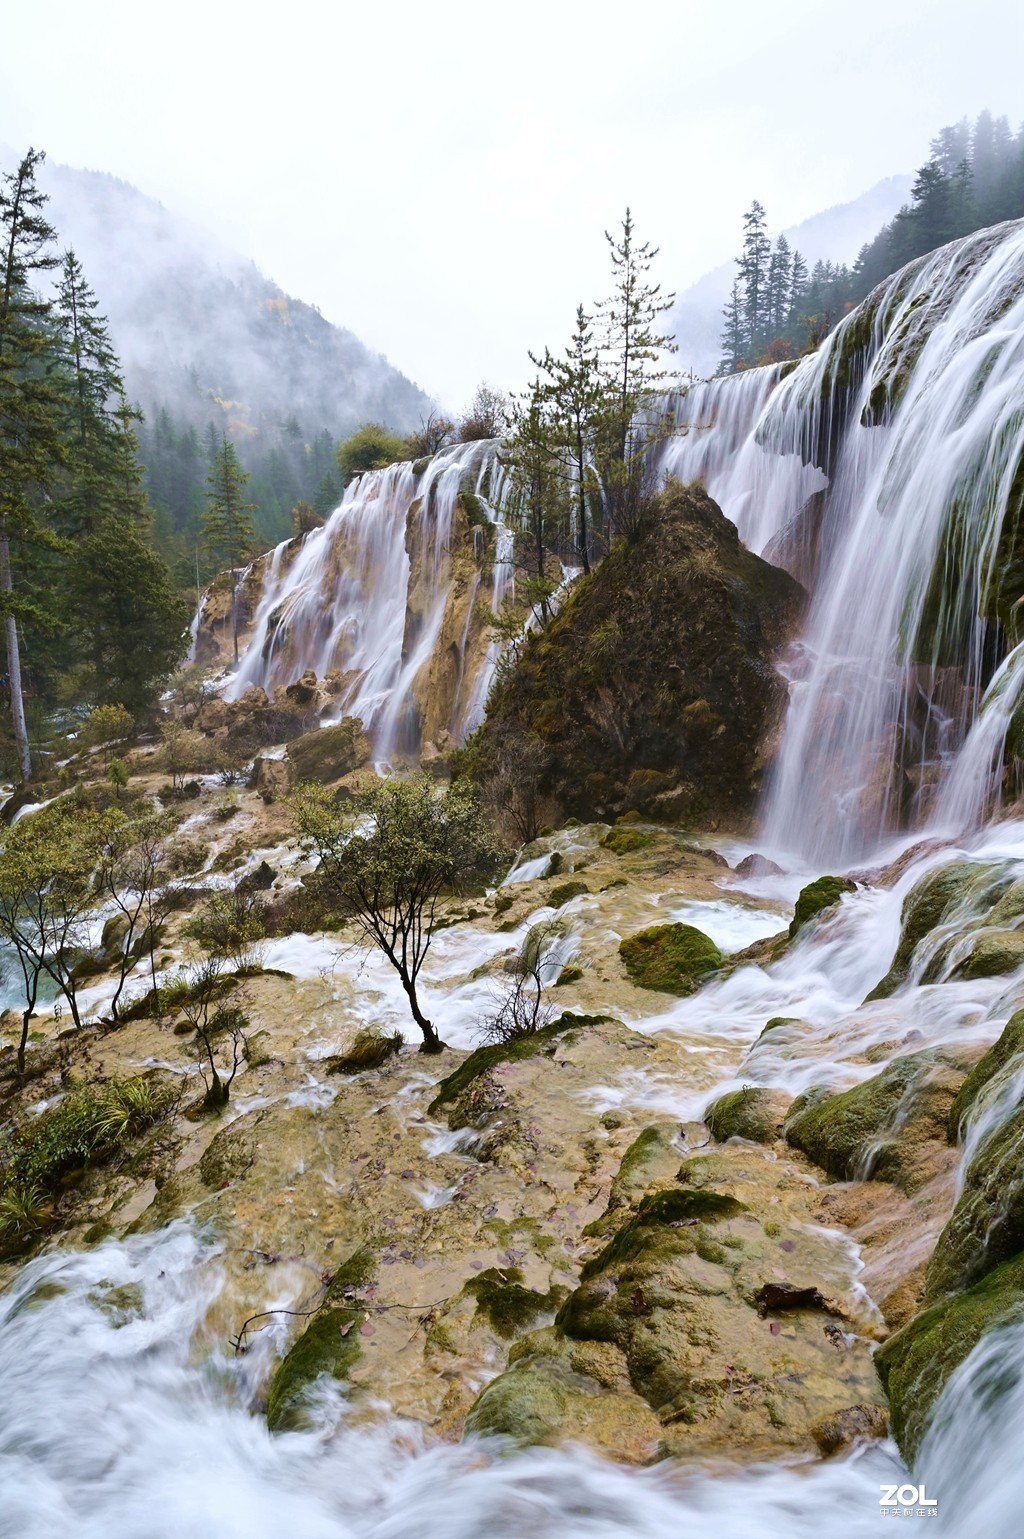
[(14, 665), (431, 1041)]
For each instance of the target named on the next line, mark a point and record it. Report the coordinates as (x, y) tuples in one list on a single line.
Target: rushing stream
[(121, 1417)]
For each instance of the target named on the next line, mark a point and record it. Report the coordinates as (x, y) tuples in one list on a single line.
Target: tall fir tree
[(229, 533), (31, 445)]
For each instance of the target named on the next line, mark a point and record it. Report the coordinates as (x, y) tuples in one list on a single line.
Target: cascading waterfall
[(365, 596), (909, 421)]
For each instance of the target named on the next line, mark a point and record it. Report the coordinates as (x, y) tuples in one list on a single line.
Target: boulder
[(757, 865), (328, 753), (754, 1113), (272, 778), (670, 958)]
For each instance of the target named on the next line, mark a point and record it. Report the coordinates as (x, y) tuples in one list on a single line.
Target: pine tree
[(734, 335), (229, 533), (30, 438), (753, 266), (533, 457), (577, 392)]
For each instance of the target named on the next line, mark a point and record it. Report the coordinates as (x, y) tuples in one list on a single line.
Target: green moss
[(506, 1304), (660, 1211), (330, 1344), (484, 1058), (1009, 1045), (986, 1226), (476, 513), (529, 1403), (566, 891), (370, 1050), (816, 897), (752, 1112), (327, 753), (994, 954), (670, 958), (569, 974), (623, 841), (915, 1364), (843, 1132), (924, 907)]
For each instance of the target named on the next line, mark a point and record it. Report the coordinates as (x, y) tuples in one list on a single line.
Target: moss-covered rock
[(330, 1344), (564, 892), (670, 958), (660, 1211), (816, 897), (1009, 1046), (370, 1050), (915, 1364), (506, 1304), (625, 841), (986, 1226), (328, 753), (455, 1085), (877, 1129), (754, 1112), (925, 906), (227, 1157), (994, 954), (653, 687)]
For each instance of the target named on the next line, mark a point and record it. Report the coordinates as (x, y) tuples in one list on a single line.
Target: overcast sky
[(437, 176)]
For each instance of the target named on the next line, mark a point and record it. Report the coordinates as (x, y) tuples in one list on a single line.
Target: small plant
[(231, 925), (369, 1050), (521, 1008), (24, 1211), (222, 1029), (117, 775)]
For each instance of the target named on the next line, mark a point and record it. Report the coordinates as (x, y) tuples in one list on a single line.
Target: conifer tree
[(229, 533), (578, 395), (30, 439), (533, 456)]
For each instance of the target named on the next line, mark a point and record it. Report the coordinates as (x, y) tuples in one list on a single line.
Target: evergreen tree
[(574, 385), (753, 266), (327, 495), (229, 533), (30, 438), (533, 457), (734, 336)]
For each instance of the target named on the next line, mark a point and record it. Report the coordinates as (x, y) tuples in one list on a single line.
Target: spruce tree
[(229, 533), (533, 456), (577, 391), (31, 445)]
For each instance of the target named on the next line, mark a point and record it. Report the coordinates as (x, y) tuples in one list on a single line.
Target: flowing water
[(887, 469)]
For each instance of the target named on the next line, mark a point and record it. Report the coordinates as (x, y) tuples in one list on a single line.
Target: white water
[(365, 597)]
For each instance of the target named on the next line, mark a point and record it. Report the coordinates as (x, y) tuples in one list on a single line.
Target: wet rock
[(328, 753), (506, 1304), (330, 1344), (1009, 1046), (855, 1423), (889, 1128), (272, 778), (925, 907), (670, 958), (757, 865), (259, 880), (915, 1364), (994, 954), (986, 1226), (753, 1112), (817, 898)]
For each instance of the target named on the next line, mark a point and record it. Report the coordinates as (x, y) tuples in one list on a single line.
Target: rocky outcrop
[(654, 687)]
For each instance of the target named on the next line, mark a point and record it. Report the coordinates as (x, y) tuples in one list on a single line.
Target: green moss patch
[(986, 1226), (845, 1133), (816, 898), (565, 892), (661, 1210), (370, 1050), (1009, 1046), (753, 1112), (484, 1058), (506, 1304), (330, 1344), (624, 841), (916, 1363), (670, 958)]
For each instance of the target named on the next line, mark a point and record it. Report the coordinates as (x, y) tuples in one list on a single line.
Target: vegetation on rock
[(671, 958)]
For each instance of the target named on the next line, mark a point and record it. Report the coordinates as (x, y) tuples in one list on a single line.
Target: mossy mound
[(625, 841), (753, 1112), (569, 974), (1009, 1046), (994, 954), (330, 1344), (926, 905), (915, 1364), (370, 1050), (566, 891), (506, 1304), (875, 1130), (455, 1085), (987, 1225), (665, 1210), (327, 753), (816, 897), (670, 958), (226, 1158), (653, 688)]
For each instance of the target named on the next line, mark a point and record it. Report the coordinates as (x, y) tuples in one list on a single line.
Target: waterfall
[(365, 598)]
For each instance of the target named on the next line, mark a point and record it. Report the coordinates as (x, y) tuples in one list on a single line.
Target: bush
[(371, 447), (107, 724)]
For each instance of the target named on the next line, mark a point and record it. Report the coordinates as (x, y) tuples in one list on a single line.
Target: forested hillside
[(780, 305)]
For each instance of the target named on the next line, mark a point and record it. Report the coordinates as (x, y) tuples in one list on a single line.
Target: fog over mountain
[(836, 234), (201, 331)]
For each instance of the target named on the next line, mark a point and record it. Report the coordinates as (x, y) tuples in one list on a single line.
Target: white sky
[(437, 176)]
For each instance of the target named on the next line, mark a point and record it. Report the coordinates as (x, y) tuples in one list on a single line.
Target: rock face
[(654, 687)]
